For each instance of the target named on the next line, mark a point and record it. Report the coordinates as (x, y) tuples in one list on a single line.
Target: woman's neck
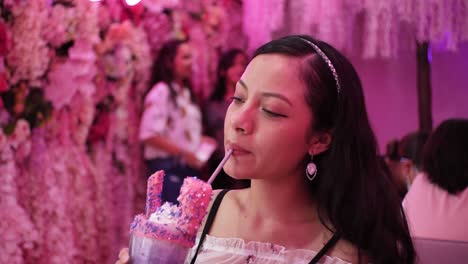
[(285, 201), (179, 82)]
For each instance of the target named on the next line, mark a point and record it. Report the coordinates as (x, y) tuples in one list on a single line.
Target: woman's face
[(234, 72), (267, 123), (183, 62)]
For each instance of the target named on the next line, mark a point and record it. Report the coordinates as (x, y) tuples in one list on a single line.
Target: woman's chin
[(238, 175)]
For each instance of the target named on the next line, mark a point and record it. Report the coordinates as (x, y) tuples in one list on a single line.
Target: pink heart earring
[(311, 170)]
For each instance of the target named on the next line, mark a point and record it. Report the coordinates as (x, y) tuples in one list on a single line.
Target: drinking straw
[(220, 166)]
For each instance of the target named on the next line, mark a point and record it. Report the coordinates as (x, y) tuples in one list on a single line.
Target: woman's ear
[(319, 143)]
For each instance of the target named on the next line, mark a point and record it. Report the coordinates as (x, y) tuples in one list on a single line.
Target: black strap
[(325, 249), (209, 221)]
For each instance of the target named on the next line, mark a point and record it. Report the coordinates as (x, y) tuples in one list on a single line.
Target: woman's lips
[(236, 149)]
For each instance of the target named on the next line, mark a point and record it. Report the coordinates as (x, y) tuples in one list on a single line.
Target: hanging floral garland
[(124, 60), (367, 28)]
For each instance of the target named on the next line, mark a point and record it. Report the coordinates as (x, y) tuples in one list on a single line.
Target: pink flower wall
[(72, 78)]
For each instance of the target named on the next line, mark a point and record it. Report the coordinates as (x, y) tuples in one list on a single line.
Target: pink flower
[(23, 150), (3, 83), (59, 26), (20, 134), (83, 57), (59, 78), (120, 32), (26, 32), (3, 140), (157, 6), (76, 74), (100, 128), (5, 40)]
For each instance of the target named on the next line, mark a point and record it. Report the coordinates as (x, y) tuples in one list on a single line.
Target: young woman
[(171, 124), (299, 130)]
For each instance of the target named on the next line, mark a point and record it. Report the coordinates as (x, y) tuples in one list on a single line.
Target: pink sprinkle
[(194, 198), (177, 224)]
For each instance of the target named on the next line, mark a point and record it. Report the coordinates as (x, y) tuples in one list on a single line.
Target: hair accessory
[(327, 60), (311, 170)]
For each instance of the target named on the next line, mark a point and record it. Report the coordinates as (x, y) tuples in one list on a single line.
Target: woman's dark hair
[(411, 147), (225, 62), (352, 191), (445, 158), (163, 67)]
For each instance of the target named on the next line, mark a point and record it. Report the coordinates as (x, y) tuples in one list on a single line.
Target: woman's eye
[(236, 99), (272, 114)]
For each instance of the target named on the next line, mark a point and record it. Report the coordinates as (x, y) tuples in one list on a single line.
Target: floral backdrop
[(72, 77)]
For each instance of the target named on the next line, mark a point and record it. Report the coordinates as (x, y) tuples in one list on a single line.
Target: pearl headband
[(327, 60)]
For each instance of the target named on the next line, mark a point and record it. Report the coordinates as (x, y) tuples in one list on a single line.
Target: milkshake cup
[(166, 233)]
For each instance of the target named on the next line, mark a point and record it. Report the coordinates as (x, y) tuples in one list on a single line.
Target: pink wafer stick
[(153, 192), (220, 166)]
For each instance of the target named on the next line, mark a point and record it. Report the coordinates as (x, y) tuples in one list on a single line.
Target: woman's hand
[(191, 159), (124, 257)]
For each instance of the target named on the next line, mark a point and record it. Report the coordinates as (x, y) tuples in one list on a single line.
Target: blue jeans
[(175, 173)]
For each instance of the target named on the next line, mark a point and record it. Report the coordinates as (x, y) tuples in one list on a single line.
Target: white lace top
[(236, 251)]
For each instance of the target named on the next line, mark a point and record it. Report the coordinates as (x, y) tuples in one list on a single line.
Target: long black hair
[(355, 198), (163, 68), (225, 62)]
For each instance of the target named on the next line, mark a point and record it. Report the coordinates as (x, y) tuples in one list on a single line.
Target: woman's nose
[(242, 121)]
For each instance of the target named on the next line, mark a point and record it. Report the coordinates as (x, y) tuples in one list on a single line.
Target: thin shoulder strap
[(331, 243), (209, 221)]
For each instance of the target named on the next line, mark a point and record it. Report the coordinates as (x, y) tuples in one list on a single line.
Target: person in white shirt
[(171, 124), (436, 205)]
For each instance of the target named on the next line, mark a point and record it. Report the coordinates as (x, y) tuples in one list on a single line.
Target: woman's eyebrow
[(277, 95), (267, 94), (242, 83)]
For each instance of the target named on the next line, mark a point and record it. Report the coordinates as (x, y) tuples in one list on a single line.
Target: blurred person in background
[(437, 203), (171, 124), (404, 159)]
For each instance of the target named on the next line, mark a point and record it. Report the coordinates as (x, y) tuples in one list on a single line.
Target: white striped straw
[(220, 166)]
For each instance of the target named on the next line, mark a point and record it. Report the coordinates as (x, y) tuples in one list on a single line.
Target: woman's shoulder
[(214, 195), (230, 199), (231, 196), (158, 90)]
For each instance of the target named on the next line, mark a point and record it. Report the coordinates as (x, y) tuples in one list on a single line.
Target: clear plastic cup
[(145, 250)]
